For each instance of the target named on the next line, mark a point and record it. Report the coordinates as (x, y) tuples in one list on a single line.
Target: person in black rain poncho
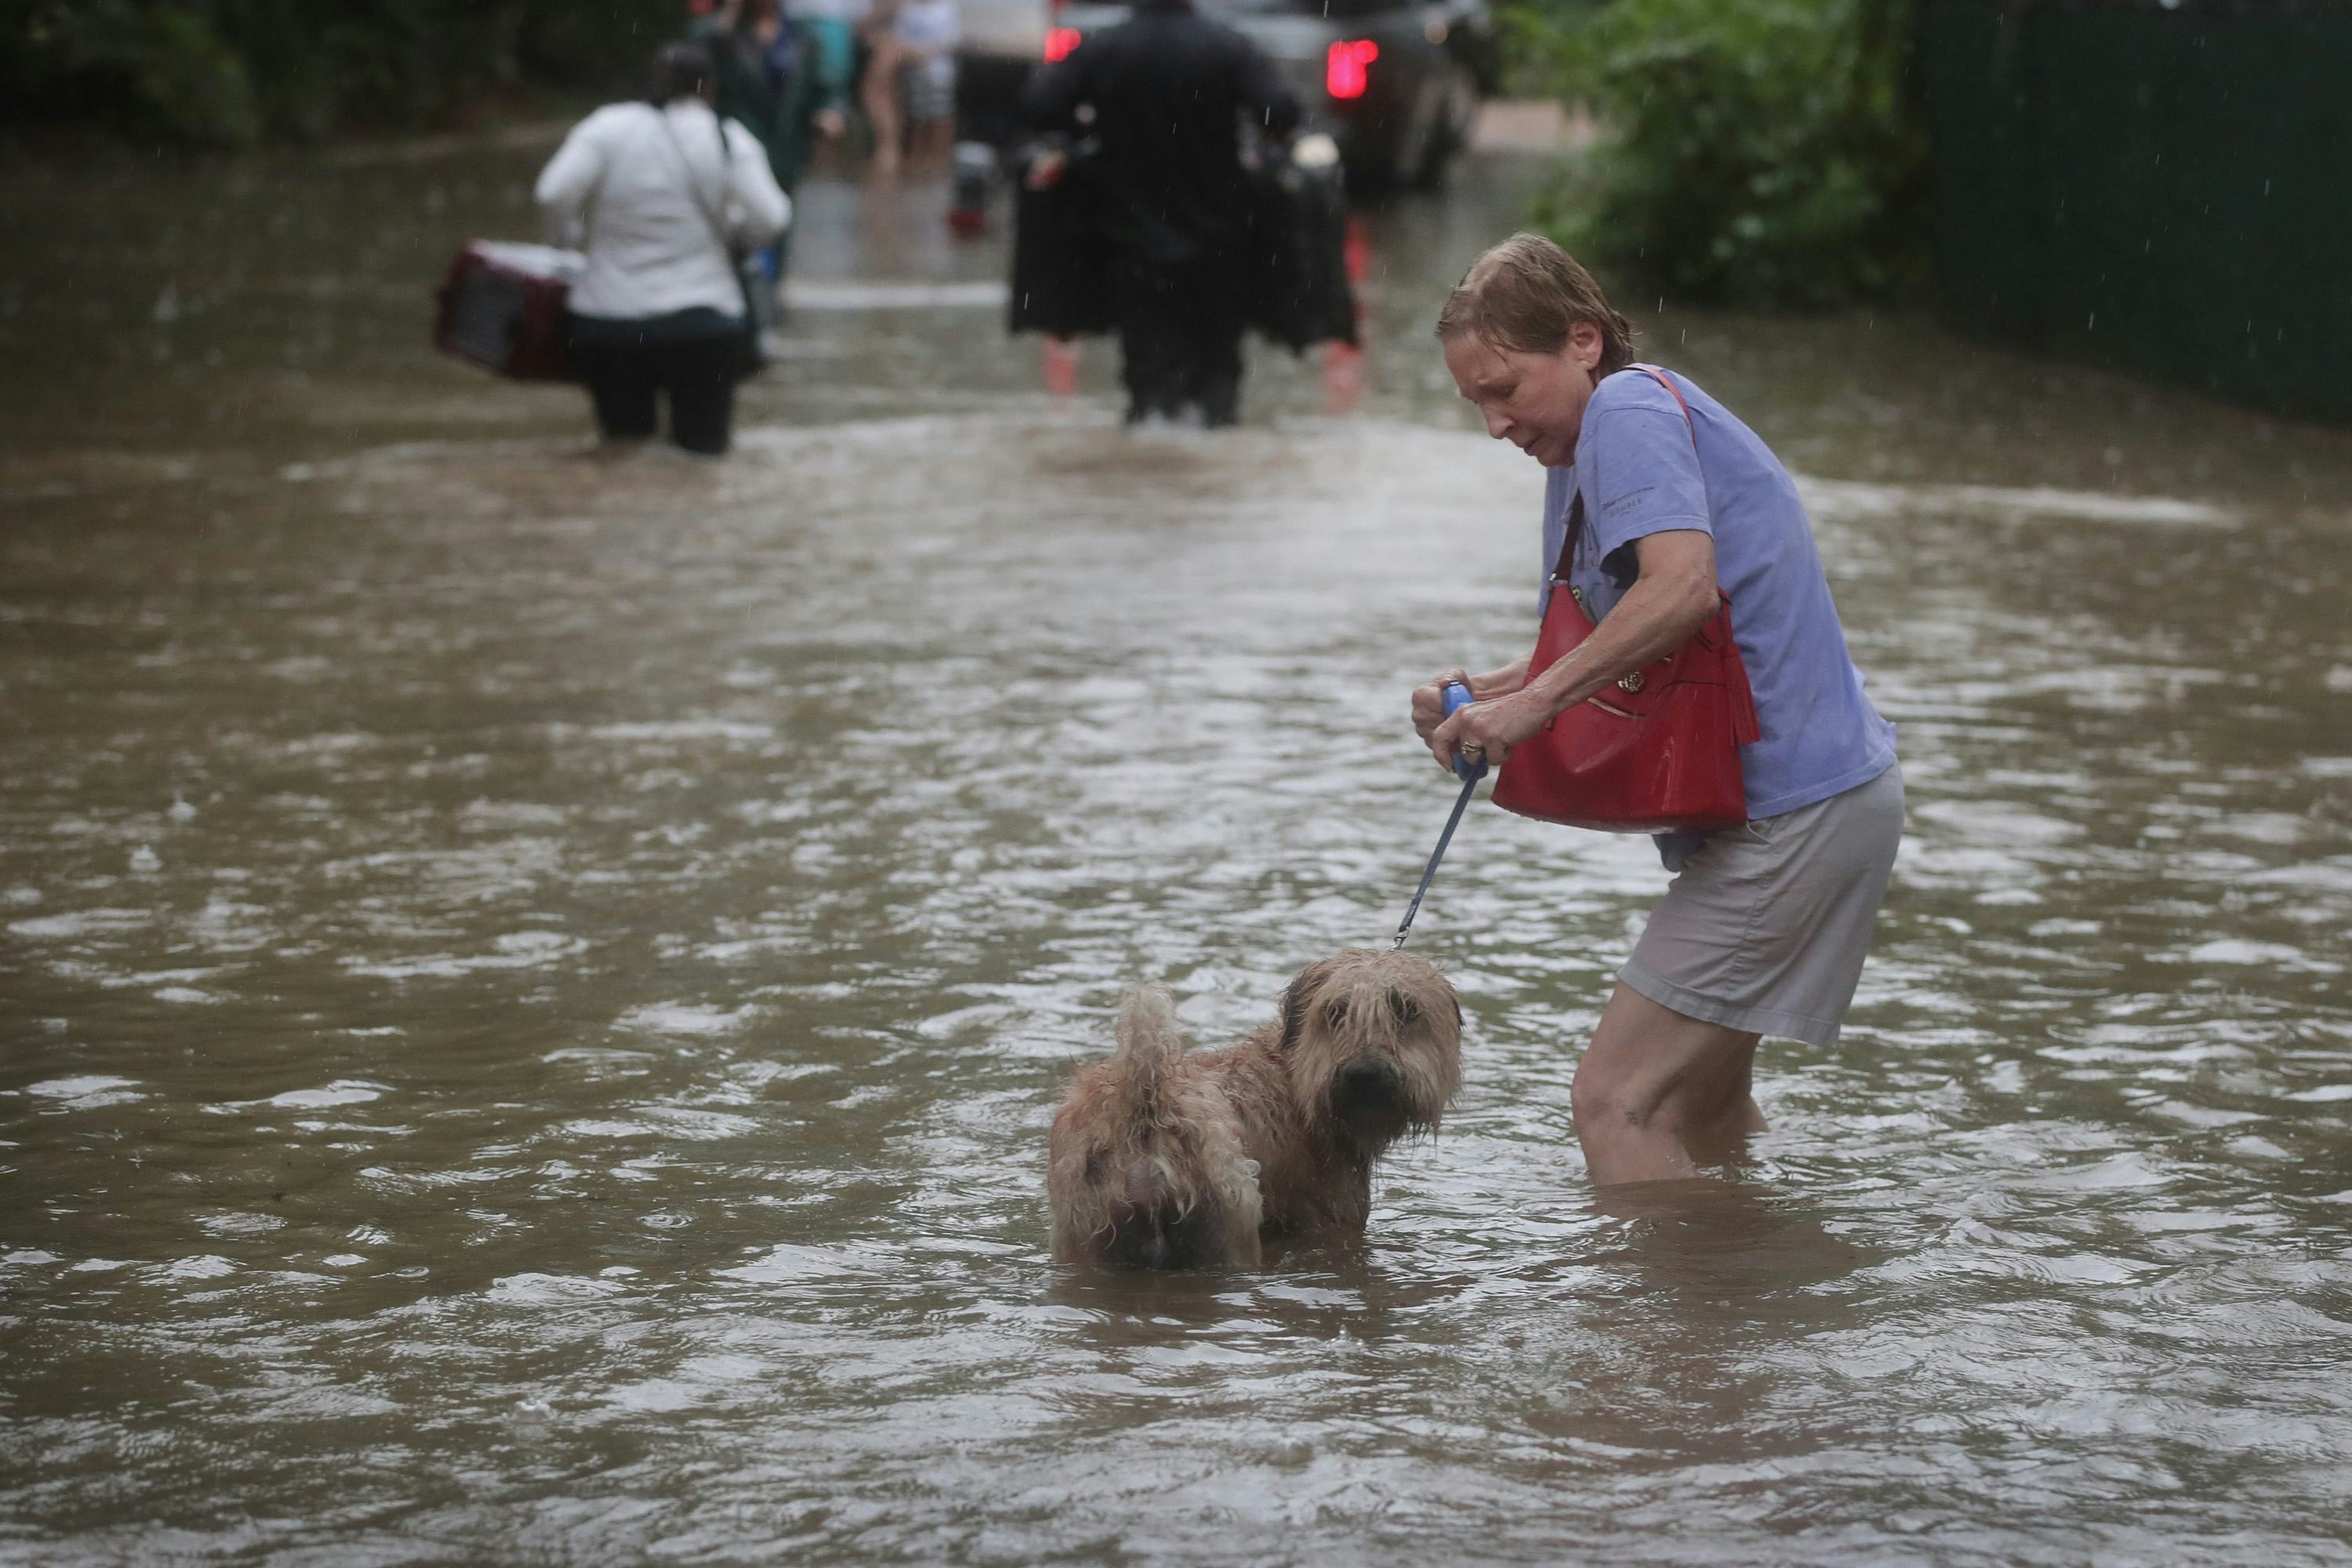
[(1166, 92)]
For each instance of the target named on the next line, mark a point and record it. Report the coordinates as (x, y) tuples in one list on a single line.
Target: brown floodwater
[(531, 985)]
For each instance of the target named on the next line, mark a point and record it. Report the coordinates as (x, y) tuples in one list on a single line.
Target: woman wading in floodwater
[(666, 189), (1764, 927)]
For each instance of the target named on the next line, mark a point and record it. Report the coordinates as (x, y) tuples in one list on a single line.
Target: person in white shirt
[(663, 189)]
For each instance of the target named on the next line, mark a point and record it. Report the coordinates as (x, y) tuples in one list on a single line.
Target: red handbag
[(1659, 752)]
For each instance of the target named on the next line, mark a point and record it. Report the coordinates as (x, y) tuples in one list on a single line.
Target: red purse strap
[(1676, 393), (1567, 556)]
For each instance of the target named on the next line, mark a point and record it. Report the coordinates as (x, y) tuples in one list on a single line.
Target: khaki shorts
[(1764, 927)]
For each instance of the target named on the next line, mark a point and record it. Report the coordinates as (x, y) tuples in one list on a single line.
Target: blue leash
[(1458, 697)]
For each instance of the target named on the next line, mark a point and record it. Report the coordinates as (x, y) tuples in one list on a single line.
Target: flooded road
[(531, 986)]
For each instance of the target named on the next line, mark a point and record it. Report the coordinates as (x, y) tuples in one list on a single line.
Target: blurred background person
[(829, 31), (778, 84), (927, 32), (660, 190), (1165, 92)]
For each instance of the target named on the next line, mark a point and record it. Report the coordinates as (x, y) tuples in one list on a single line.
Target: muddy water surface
[(531, 985)]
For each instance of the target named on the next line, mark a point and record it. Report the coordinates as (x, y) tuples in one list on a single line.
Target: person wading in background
[(776, 81), (665, 187), (927, 32), (829, 29), (1165, 93)]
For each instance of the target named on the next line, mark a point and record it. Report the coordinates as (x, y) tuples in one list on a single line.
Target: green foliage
[(161, 68), (1764, 151), (230, 72)]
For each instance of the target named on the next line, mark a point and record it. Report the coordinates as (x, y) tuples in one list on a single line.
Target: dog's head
[(1373, 1041)]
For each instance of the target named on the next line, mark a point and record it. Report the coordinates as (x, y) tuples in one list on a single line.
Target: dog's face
[(1373, 1041)]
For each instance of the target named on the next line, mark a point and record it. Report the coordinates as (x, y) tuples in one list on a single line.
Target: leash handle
[(1457, 697)]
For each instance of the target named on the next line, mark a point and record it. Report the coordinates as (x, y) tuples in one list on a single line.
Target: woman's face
[(1534, 401)]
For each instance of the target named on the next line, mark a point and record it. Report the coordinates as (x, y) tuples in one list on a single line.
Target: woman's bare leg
[(881, 99), (1656, 1092), (934, 142)]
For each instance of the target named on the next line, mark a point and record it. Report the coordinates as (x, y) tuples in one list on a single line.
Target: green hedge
[(2150, 188), (228, 73), (1760, 151)]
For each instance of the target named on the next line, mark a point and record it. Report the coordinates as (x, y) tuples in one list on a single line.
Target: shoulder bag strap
[(1567, 556), (1676, 393), (694, 190), (1559, 567)]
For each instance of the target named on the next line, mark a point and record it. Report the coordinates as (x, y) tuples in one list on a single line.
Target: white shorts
[(1766, 926)]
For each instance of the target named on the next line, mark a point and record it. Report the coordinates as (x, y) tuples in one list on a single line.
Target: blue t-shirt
[(1640, 475)]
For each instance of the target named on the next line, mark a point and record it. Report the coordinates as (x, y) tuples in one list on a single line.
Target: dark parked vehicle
[(1397, 85)]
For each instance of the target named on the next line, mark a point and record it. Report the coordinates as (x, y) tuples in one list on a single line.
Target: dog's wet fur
[(1165, 1159)]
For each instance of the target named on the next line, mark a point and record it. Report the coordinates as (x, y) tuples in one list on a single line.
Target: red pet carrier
[(502, 309)]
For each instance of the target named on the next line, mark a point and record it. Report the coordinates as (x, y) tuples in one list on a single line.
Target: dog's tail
[(1149, 1039), (1151, 1049)]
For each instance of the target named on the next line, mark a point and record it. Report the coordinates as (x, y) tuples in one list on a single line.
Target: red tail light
[(1059, 42), (1343, 66)]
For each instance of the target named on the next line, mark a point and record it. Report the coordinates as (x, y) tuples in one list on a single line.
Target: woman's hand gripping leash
[(1458, 697)]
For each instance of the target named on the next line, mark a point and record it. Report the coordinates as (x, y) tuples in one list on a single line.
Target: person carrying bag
[(1691, 679), (752, 284), (660, 310)]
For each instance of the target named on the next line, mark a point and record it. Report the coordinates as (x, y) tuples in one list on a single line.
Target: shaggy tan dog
[(1162, 1160)]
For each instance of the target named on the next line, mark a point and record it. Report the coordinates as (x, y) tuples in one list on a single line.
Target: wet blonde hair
[(1524, 296)]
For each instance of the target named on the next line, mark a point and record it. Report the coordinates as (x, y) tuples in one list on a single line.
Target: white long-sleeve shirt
[(650, 248)]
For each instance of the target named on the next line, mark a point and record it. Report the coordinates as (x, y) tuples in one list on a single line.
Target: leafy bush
[(158, 71), (229, 72), (1756, 150)]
